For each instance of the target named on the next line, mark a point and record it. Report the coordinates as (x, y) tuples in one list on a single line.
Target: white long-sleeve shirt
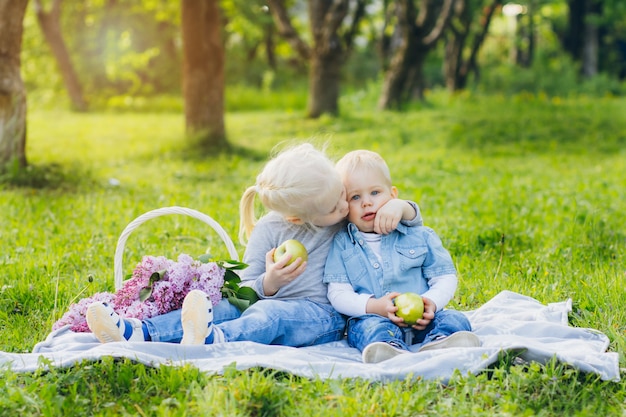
[(346, 301)]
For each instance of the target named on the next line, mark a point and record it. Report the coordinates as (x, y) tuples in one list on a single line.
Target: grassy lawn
[(528, 194)]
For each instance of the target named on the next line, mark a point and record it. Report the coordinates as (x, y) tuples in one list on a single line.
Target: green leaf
[(205, 258), (157, 276), (230, 276), (232, 285), (240, 297), (248, 293), (242, 305), (145, 293), (232, 264)]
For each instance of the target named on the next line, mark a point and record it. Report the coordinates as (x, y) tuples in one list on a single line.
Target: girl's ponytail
[(247, 218)]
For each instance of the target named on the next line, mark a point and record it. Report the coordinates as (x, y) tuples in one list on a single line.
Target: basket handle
[(119, 250)]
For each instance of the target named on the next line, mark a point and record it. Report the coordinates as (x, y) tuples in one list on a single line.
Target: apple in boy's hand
[(292, 247), (410, 307)]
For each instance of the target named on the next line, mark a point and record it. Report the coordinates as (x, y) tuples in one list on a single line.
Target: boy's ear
[(394, 191), (294, 220)]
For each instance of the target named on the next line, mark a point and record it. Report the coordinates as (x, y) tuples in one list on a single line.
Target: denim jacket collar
[(353, 231)]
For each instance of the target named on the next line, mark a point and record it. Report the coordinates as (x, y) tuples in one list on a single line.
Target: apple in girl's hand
[(292, 247), (410, 307)]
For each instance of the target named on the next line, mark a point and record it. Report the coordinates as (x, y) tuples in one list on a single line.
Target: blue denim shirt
[(411, 257)]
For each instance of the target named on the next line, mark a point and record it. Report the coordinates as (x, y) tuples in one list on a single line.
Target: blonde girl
[(305, 200)]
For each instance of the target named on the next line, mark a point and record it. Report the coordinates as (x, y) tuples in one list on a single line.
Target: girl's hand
[(278, 274), (390, 214), (429, 314)]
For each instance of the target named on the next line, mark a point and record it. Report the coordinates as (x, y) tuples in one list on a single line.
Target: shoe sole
[(101, 325), (379, 352), (195, 318), (458, 339)]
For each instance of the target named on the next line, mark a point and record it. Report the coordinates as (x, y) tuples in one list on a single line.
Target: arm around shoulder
[(411, 214)]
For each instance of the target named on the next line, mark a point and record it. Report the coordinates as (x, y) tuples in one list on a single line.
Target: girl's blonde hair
[(300, 181), (363, 159)]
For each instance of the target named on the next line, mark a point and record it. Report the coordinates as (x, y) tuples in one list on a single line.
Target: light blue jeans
[(168, 327), (371, 328), (294, 323)]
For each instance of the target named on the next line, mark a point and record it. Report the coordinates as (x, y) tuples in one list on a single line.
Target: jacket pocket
[(411, 257)]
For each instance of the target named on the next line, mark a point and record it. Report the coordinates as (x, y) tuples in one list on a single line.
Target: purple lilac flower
[(75, 316), (167, 294)]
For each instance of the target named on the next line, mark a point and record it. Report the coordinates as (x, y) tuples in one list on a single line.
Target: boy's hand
[(429, 314), (383, 306), (278, 274), (390, 214)]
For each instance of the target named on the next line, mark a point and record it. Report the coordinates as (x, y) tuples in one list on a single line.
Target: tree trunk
[(420, 33), (573, 39), (324, 81), (591, 40), (12, 91), (270, 46), (530, 51), (453, 61), (396, 84), (51, 28), (456, 68), (525, 36), (325, 18), (203, 73), (455, 43), (332, 42)]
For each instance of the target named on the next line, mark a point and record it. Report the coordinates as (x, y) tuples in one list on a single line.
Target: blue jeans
[(168, 327), (295, 323), (371, 328)]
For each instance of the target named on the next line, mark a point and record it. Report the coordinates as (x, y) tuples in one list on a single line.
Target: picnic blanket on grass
[(509, 323)]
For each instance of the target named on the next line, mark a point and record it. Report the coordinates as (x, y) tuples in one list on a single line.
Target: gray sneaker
[(458, 339), (380, 351)]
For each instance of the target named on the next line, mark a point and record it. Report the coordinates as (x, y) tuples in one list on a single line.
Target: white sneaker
[(197, 320), (380, 351), (458, 339), (108, 326)]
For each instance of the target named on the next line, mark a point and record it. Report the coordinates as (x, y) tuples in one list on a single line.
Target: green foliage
[(128, 56), (112, 387), (539, 123), (551, 75), (526, 191), (241, 98), (45, 87)]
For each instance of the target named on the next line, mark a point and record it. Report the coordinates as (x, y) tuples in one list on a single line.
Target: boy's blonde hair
[(299, 182), (363, 159)]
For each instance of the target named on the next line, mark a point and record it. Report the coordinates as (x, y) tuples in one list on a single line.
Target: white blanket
[(510, 323)]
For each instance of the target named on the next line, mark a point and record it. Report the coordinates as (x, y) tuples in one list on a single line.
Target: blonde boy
[(369, 266)]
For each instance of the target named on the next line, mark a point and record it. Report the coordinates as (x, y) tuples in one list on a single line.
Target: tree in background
[(12, 92), (50, 23), (252, 41), (332, 44), (595, 36), (126, 53), (203, 73), (418, 29), (123, 49), (582, 40), (467, 32)]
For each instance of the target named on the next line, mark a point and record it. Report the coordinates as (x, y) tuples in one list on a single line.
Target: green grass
[(528, 193)]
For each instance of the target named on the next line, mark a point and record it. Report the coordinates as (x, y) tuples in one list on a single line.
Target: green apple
[(292, 247), (410, 307)]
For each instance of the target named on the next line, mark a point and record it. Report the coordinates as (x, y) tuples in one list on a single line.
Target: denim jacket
[(411, 257)]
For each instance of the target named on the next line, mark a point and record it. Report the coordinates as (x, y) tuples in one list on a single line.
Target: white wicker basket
[(119, 251)]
